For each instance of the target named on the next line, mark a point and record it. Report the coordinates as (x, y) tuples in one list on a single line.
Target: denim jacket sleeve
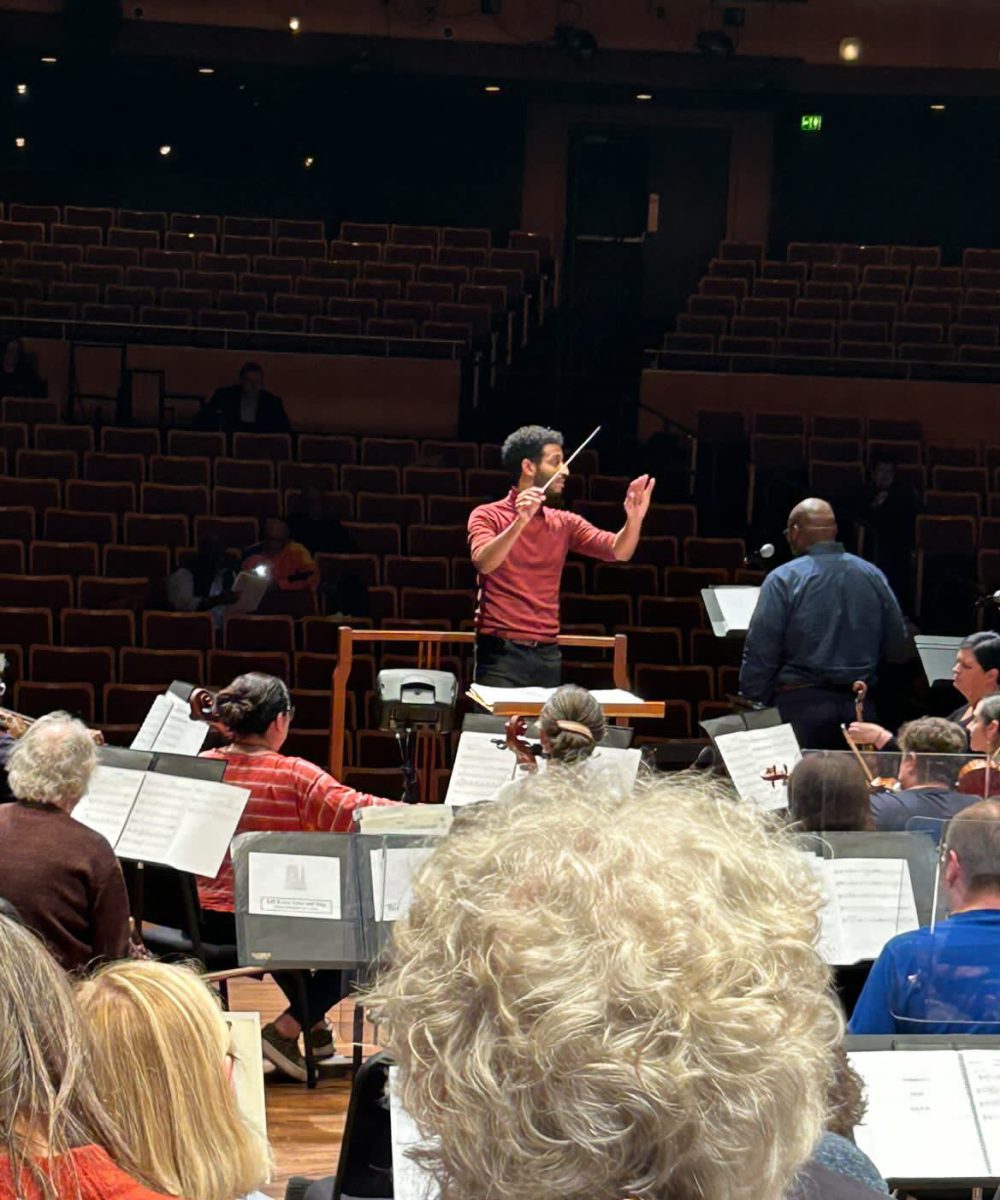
[(765, 637)]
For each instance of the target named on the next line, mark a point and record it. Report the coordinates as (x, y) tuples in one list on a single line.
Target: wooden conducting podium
[(429, 649)]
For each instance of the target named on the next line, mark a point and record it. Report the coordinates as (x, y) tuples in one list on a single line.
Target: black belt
[(502, 637), (822, 685)]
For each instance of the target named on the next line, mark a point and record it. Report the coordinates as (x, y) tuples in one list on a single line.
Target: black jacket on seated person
[(224, 412)]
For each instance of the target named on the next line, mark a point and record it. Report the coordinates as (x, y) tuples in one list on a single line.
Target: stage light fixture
[(937, 108), (22, 89), (49, 59), (20, 143), (644, 95), (294, 24), (206, 70), (850, 49), (492, 88), (165, 150), (308, 161), (713, 43)]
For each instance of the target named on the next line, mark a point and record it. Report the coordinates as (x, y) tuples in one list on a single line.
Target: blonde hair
[(53, 761), (47, 1096), (160, 1070), (596, 996)]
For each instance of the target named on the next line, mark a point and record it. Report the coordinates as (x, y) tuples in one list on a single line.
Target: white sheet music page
[(747, 754), (410, 1181), (393, 869), (875, 899), (982, 1069), (108, 801), (919, 1124), (169, 729), (185, 823), (830, 934), (481, 766)]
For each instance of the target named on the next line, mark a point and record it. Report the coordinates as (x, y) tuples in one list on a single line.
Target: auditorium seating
[(862, 310)]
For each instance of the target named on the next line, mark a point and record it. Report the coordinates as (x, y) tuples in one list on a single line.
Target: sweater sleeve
[(110, 909), (325, 804)]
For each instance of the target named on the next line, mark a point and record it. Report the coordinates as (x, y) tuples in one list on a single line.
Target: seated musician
[(287, 794), (976, 674), (636, 982), (927, 775), (828, 792), (62, 877), (946, 980), (570, 727)]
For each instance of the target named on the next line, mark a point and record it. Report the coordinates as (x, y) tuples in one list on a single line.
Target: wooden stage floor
[(305, 1127)]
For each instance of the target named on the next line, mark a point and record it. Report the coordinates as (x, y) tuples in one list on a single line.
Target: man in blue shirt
[(946, 979), (933, 749), (822, 621)]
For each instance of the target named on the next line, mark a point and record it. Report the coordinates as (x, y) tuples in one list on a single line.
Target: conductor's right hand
[(528, 503)]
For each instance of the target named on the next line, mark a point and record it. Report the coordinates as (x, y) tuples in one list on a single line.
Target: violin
[(16, 725), (980, 777), (202, 705), (877, 783), (516, 742)]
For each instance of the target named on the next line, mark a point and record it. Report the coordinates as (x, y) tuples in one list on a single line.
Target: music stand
[(729, 608)]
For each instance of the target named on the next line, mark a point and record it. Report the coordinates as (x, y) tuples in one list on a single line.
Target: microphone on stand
[(757, 558)]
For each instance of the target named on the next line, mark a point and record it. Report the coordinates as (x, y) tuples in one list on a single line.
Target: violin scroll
[(203, 708), (519, 745)]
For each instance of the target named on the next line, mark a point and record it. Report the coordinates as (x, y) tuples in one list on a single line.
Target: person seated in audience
[(314, 526), (286, 793), (976, 674), (889, 515), (946, 979), (637, 984), (927, 775), (18, 376), (62, 877), (205, 582), (171, 1095), (828, 792), (245, 406), (289, 566), (56, 1140)]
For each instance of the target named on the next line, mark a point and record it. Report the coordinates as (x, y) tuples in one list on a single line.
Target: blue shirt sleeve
[(873, 1011), (764, 641)]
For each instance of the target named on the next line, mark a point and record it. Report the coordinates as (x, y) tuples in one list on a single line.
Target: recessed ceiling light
[(850, 49), (22, 89), (937, 108), (644, 95), (309, 160), (20, 143), (492, 87), (165, 150), (294, 24), (206, 70)]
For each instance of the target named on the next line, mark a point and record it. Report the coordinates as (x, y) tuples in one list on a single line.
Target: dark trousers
[(503, 663), (322, 988), (817, 713)]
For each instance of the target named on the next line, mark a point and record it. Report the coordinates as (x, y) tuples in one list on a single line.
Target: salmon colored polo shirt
[(520, 599)]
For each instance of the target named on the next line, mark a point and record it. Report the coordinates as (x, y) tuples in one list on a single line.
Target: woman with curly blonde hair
[(595, 997), (162, 1069)]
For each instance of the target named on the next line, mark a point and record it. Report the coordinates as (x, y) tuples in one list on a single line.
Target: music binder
[(937, 656), (168, 725)]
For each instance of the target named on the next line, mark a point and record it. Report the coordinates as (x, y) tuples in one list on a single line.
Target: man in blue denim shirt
[(822, 621)]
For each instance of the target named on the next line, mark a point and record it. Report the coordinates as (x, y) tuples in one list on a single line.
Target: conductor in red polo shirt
[(519, 546)]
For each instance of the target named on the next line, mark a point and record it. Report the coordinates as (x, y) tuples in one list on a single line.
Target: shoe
[(323, 1043), (283, 1052)]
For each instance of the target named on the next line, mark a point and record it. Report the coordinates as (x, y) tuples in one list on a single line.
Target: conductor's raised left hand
[(638, 496)]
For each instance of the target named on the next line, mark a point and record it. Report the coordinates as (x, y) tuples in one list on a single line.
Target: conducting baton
[(562, 470)]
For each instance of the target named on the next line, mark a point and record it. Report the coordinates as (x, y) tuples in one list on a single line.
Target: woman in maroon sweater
[(56, 1140)]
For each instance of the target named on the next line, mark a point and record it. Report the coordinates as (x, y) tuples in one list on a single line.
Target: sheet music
[(982, 1072), (168, 728), (489, 696), (185, 823), (108, 800), (247, 1076), (392, 878), (867, 902), (409, 818), (748, 753), (730, 607), (920, 1122), (481, 766), (937, 656), (410, 1181), (294, 885)]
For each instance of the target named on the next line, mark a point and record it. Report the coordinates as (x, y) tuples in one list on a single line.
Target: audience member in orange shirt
[(289, 565)]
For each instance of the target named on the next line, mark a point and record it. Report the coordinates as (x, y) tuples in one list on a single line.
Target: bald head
[(809, 522)]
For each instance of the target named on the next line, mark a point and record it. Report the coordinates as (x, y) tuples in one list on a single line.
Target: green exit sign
[(811, 122)]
